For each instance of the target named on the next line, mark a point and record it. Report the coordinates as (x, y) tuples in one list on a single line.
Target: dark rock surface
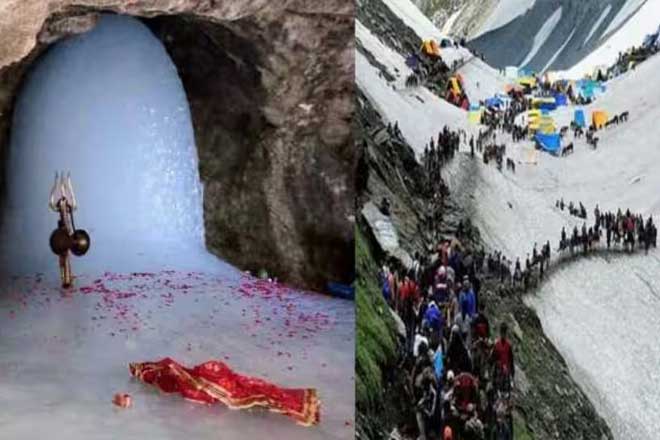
[(270, 86)]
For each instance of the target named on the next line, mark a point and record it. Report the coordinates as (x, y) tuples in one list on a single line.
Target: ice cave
[(108, 106)]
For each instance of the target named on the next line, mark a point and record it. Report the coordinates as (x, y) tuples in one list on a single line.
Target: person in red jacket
[(466, 392), (503, 360)]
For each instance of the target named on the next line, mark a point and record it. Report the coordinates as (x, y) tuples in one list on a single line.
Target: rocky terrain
[(270, 87)]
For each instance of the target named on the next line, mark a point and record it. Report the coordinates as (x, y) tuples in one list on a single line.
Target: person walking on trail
[(503, 361), (462, 320), (426, 400), (433, 317), (467, 300), (458, 358), (420, 344), (383, 276), (438, 363), (480, 325)]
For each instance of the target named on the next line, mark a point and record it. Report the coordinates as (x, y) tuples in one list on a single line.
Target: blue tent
[(493, 102), (561, 99), (578, 118), (549, 142), (548, 106), (525, 71)]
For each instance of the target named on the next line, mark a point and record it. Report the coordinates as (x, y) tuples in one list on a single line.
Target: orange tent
[(455, 85), (598, 118), (430, 47)]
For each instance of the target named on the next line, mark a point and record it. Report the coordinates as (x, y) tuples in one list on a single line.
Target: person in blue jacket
[(467, 300), (438, 363), (433, 317), (384, 282)]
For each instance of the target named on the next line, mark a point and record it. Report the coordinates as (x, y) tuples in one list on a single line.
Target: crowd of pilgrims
[(624, 229), (460, 378), (461, 370), (437, 153), (575, 210)]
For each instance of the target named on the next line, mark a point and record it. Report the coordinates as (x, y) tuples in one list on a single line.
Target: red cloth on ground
[(214, 381)]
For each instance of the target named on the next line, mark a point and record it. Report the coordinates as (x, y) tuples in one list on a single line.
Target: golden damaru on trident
[(66, 237)]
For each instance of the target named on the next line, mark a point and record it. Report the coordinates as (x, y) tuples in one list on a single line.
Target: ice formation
[(107, 105)]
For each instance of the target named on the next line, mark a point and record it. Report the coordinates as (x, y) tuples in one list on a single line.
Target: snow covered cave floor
[(64, 355)]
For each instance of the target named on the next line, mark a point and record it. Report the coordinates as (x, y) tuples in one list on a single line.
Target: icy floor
[(63, 356)]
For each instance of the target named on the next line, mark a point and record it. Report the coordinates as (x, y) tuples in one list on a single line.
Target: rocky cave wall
[(270, 87)]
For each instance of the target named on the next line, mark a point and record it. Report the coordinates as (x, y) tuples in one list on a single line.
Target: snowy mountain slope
[(535, 34), (419, 113), (599, 27), (480, 79), (504, 12), (632, 33), (599, 313)]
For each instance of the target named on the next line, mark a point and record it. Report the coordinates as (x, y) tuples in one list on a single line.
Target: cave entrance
[(108, 106)]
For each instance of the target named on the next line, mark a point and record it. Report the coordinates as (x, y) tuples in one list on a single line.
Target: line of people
[(574, 210), (460, 379)]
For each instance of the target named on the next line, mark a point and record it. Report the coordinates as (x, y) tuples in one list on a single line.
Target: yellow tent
[(598, 118), (534, 117), (474, 116), (454, 85), (527, 81), (430, 47), (547, 129), (546, 125), (536, 102)]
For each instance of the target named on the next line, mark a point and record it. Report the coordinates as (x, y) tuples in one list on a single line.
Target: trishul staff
[(66, 238)]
